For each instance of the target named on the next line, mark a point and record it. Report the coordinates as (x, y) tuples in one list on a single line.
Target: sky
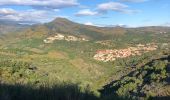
[(132, 13)]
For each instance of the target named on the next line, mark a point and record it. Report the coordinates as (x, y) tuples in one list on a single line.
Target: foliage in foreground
[(45, 92), (56, 92), (19, 81), (145, 82)]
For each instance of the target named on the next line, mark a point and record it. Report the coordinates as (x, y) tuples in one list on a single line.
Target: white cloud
[(115, 6), (105, 7), (44, 10), (6, 11), (136, 1), (55, 4), (24, 16), (92, 24), (86, 12), (89, 23), (129, 11), (56, 10)]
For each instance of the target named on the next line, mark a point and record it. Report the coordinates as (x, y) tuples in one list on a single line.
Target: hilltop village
[(51, 39), (112, 55)]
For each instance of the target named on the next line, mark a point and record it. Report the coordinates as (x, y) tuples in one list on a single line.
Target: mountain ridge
[(66, 26)]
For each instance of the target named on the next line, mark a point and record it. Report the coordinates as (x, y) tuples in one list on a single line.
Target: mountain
[(151, 29), (65, 26), (11, 26)]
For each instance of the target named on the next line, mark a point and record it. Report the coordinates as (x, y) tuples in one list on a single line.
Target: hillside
[(62, 54), (149, 80), (65, 26), (9, 26)]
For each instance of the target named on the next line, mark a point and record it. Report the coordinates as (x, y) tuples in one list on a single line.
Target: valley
[(120, 63)]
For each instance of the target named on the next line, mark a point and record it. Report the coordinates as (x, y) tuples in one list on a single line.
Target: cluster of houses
[(51, 39), (162, 32), (111, 55)]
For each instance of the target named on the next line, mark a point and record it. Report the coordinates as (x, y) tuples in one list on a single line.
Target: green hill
[(65, 26), (28, 64)]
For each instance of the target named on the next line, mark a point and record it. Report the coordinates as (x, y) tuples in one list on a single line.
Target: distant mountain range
[(11, 26), (65, 26)]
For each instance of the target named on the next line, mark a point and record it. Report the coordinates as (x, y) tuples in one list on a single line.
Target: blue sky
[(132, 13)]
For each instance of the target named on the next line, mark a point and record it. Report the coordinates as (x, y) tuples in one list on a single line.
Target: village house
[(59, 37), (71, 38), (47, 41), (83, 39), (162, 32)]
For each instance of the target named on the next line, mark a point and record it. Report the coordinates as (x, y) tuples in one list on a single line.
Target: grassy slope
[(61, 61)]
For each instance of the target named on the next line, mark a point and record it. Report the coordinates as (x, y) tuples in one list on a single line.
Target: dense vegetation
[(154, 74), (147, 81)]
